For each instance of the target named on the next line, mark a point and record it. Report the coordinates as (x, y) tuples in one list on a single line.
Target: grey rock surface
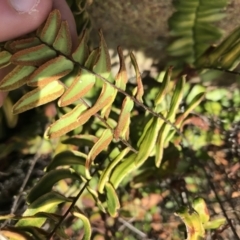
[(142, 25)]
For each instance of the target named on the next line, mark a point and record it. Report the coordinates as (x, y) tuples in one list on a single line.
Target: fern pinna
[(46, 63), (192, 27)]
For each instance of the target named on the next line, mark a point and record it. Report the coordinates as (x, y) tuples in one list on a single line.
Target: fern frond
[(46, 63), (49, 65), (225, 56), (192, 26)]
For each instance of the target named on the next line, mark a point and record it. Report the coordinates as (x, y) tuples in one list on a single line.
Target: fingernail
[(24, 6)]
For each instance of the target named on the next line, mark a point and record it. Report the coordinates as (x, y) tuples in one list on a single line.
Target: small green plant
[(197, 220)]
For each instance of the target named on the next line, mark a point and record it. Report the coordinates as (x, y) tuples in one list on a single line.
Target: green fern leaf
[(192, 25)]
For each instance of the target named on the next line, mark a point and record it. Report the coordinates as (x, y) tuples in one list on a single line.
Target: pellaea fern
[(46, 63), (224, 56), (197, 220), (192, 26), (195, 35)]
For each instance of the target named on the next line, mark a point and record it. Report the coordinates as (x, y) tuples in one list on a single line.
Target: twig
[(30, 169), (220, 203), (132, 228), (75, 199), (196, 161), (222, 70), (230, 201), (109, 127), (121, 228)]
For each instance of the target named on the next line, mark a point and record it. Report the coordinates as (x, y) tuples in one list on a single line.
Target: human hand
[(19, 17)]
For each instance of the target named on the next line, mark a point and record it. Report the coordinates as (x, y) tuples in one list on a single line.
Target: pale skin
[(14, 24)]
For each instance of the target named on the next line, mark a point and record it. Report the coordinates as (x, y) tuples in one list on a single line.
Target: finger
[(19, 17), (66, 15)]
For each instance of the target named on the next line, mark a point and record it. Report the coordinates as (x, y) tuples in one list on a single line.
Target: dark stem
[(72, 205)]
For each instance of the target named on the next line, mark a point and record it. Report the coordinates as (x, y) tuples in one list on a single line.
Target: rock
[(142, 25)]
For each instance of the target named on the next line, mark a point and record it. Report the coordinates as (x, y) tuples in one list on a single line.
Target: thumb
[(19, 17)]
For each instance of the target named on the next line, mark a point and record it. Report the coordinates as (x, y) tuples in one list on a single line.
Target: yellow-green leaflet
[(15, 234), (69, 78), (4, 58), (224, 46), (52, 70), (66, 123), (91, 60), (48, 32), (176, 99), (99, 146), (11, 119), (149, 141), (145, 130), (231, 57), (39, 96), (165, 128), (206, 29), (195, 102), (121, 78), (122, 128), (140, 90), (21, 44), (103, 63), (86, 225), (95, 196), (36, 232), (122, 169), (104, 178), (110, 92), (182, 116), (46, 203), (215, 223), (192, 221), (81, 53), (81, 140), (34, 56), (83, 82), (106, 97), (71, 158), (112, 200), (46, 183), (161, 141), (16, 78), (201, 207), (67, 158), (211, 15), (63, 41), (164, 86), (178, 47)]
